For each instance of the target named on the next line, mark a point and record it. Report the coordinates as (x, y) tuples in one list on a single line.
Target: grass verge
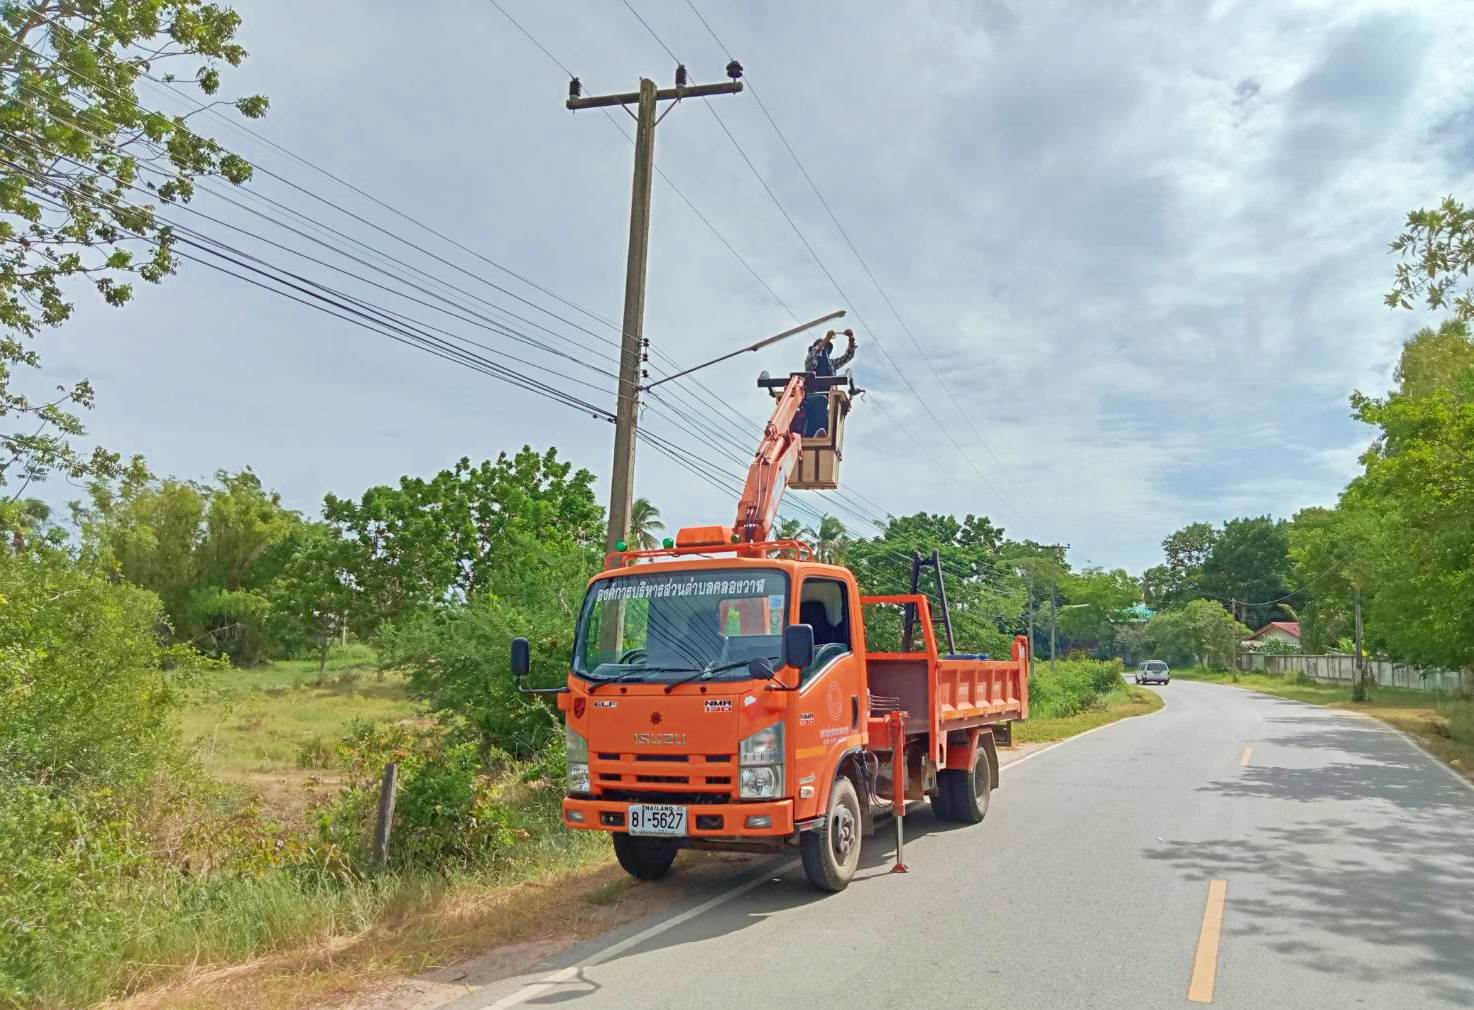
[(1443, 725), (274, 729), (1123, 704), (562, 887)]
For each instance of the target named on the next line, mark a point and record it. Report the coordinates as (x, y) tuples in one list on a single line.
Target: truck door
[(830, 708)]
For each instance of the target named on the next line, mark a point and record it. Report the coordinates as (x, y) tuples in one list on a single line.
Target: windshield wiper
[(711, 670), (629, 675)]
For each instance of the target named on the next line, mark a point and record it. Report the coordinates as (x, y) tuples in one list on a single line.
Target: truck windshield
[(664, 626)]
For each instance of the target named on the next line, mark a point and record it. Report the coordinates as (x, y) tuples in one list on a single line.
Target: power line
[(818, 260), (885, 296), (368, 316), (256, 196)]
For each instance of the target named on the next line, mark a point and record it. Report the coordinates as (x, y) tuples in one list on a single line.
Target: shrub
[(457, 658), (1458, 713), (1074, 686), (87, 692), (316, 752), (63, 860)]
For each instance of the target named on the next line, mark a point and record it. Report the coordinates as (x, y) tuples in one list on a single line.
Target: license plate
[(657, 819)]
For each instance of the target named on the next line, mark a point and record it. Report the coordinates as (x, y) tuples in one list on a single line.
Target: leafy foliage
[(985, 598), (85, 165), (1072, 687), (430, 542), (645, 524), (210, 552), (1249, 565), (86, 689), (1201, 632), (1100, 601), (1437, 248), (456, 655)]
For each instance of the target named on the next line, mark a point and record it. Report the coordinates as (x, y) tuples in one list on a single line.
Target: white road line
[(1385, 726), (612, 951), (542, 985), (1408, 739), (1071, 739)]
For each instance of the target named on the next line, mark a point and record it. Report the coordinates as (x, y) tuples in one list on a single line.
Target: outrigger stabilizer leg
[(898, 783)]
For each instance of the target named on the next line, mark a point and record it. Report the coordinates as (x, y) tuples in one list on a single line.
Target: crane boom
[(767, 478)]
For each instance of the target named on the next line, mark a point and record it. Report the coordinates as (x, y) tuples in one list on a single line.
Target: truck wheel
[(941, 803), (831, 851), (644, 858), (968, 792)]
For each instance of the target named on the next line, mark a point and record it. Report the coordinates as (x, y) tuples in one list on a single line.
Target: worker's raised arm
[(848, 355)]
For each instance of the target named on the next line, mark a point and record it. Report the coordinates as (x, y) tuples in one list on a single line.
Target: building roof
[(1288, 627)]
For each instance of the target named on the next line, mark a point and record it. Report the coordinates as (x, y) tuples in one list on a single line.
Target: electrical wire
[(885, 296), (879, 344), (371, 224)]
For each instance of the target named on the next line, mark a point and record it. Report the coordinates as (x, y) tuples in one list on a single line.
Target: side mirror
[(521, 657), (760, 668), (798, 645)]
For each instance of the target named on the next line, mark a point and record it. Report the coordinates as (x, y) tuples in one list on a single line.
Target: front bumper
[(703, 820)]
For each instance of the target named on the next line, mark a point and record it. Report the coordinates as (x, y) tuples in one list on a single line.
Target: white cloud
[(1145, 247)]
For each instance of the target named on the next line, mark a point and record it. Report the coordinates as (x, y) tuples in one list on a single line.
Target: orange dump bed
[(942, 694)]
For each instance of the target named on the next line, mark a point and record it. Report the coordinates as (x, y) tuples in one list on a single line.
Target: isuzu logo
[(660, 739)]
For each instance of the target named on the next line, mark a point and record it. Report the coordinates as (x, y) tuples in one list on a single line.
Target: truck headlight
[(761, 758), (577, 748)]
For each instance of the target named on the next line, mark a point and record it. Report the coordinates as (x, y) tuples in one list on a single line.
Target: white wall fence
[(1342, 669)]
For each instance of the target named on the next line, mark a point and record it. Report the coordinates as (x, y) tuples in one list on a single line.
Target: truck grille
[(705, 777), (653, 796)]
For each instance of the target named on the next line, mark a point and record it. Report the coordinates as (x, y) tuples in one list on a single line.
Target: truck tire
[(941, 803), (968, 792), (831, 851), (644, 858)]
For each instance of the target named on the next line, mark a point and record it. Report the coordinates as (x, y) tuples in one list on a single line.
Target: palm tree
[(789, 529), (831, 540), (644, 524)]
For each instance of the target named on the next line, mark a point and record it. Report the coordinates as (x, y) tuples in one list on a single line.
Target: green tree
[(789, 529), (1178, 578), (87, 690), (1249, 563), (645, 524), (1097, 602), (86, 163), (1432, 361), (985, 596), (456, 653), (830, 539), (427, 542), (147, 531), (1202, 632), (1418, 486), (1437, 249), (210, 552), (313, 598)]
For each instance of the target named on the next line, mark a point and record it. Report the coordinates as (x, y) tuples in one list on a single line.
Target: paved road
[(1348, 858)]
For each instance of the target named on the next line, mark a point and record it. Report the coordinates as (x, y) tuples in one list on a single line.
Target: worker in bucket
[(821, 364)]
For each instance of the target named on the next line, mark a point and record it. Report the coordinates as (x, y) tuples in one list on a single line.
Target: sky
[(1122, 262)]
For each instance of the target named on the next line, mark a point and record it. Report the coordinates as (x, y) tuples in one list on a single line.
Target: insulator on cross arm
[(575, 87), (680, 75), (734, 70)]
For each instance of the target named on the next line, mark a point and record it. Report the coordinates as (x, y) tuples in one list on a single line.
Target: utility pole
[(632, 344), (1053, 619)]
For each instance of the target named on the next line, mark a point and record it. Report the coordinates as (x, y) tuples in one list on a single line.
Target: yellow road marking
[(1248, 752), (1205, 965)]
